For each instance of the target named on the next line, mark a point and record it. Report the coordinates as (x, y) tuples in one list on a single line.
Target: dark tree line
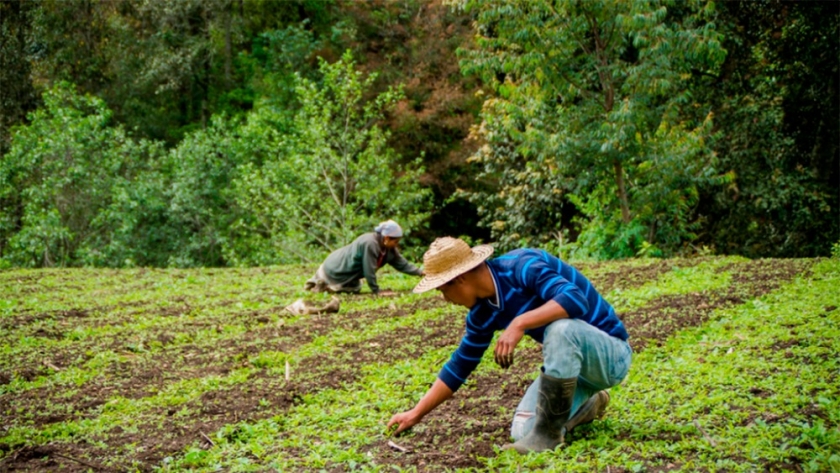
[(778, 113), (128, 129)]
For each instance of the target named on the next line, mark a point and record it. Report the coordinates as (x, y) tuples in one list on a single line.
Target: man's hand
[(438, 393), (403, 420), (506, 345)]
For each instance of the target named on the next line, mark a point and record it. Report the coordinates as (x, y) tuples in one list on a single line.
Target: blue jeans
[(574, 349)]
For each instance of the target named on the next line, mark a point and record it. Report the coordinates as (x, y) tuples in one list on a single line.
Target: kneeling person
[(345, 267), (584, 343)]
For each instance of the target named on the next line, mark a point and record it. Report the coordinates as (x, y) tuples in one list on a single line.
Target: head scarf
[(389, 228)]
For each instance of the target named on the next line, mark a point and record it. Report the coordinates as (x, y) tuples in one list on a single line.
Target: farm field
[(735, 369)]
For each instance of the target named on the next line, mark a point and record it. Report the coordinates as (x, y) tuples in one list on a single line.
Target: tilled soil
[(474, 417), (144, 375)]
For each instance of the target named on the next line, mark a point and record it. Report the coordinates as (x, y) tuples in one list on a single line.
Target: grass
[(185, 370)]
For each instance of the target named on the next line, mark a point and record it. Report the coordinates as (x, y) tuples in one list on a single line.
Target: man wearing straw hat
[(345, 267), (584, 343)]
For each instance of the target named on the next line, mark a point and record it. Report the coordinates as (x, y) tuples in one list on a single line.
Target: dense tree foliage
[(333, 175), (61, 173), (777, 112), (590, 110), (240, 132), (275, 187), (17, 94), (165, 66)]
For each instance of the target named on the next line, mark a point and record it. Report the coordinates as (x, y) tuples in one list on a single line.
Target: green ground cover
[(142, 370)]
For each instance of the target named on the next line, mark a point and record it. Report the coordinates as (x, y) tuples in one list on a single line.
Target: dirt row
[(145, 374), (82, 291), (162, 432), (165, 433), (124, 312), (629, 277), (68, 354)]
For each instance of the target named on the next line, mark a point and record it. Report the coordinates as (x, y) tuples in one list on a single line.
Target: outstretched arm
[(451, 377), (402, 265), (438, 393)]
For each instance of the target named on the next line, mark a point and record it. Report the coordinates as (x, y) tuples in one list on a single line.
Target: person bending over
[(527, 292), (345, 267)]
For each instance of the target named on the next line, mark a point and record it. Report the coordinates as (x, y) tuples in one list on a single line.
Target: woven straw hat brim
[(432, 281)]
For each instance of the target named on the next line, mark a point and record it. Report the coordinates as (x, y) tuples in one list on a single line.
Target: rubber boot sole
[(594, 408)]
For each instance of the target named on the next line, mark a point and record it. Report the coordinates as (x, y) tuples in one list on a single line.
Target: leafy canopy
[(334, 176), (62, 171), (589, 109)]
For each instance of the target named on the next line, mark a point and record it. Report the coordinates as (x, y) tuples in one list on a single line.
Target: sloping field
[(735, 369)]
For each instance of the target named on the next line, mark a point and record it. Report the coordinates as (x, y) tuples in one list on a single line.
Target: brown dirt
[(631, 277), (145, 374), (476, 414), (267, 395)]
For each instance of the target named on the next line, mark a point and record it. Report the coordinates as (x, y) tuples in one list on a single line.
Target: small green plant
[(648, 250)]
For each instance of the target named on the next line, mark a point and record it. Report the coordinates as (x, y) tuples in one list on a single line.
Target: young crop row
[(78, 399), (382, 372), (375, 358), (122, 411)]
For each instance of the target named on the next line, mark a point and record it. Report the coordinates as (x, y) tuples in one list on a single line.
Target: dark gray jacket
[(359, 260)]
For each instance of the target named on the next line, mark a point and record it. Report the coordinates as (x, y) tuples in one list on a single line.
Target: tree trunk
[(609, 102), (621, 191), (228, 14), (204, 82)]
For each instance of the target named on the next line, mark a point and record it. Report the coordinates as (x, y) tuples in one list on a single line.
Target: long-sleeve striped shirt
[(525, 280)]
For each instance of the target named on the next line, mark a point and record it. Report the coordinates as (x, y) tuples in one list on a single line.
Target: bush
[(331, 177), (59, 177)]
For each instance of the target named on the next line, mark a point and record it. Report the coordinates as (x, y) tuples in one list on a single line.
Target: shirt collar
[(497, 304)]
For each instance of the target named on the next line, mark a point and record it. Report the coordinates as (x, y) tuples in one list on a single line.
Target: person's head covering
[(389, 228), (448, 258)]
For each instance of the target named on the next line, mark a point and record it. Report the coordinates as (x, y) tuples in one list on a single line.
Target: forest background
[(252, 132)]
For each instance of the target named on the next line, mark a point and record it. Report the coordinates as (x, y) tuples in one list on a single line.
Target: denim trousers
[(574, 349)]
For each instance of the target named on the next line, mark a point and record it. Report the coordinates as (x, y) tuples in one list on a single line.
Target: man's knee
[(563, 330)]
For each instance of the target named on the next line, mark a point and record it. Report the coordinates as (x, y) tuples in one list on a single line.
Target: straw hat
[(449, 258)]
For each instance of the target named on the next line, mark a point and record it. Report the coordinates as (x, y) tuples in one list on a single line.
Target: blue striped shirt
[(525, 280)]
